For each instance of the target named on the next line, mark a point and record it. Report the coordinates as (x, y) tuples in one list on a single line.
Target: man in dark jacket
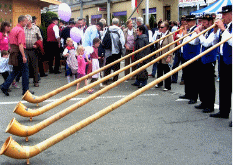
[(141, 41), (66, 32), (139, 22)]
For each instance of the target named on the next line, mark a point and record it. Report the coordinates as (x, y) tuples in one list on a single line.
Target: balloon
[(75, 34), (84, 55), (88, 51), (64, 12)]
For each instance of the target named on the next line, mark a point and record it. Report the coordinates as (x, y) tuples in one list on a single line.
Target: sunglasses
[(162, 27)]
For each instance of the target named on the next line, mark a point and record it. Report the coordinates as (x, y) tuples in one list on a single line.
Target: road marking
[(75, 99), (182, 100)]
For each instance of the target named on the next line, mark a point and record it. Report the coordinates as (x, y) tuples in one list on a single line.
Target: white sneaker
[(165, 89), (156, 86)]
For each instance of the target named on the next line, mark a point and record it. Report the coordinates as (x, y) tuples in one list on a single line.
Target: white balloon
[(64, 12), (89, 49)]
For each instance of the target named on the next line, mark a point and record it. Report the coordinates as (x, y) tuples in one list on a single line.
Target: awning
[(46, 3), (213, 8)]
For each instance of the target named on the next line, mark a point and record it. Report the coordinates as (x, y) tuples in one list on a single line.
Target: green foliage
[(46, 19), (123, 19), (44, 32), (152, 21), (111, 17)]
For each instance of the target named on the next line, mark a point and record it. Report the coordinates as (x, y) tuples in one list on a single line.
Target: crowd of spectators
[(123, 39)]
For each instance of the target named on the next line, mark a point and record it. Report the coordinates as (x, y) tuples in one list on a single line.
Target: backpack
[(118, 42), (107, 42)]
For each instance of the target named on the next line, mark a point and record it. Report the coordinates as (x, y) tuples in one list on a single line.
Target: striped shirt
[(32, 35)]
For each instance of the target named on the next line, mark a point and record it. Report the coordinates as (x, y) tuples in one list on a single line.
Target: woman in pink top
[(4, 42), (4, 37), (81, 64)]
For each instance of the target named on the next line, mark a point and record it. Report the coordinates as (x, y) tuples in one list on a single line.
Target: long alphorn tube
[(16, 128), (22, 110), (37, 99), (12, 149)]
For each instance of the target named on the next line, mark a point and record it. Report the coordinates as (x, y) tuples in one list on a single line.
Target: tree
[(152, 21), (46, 19)]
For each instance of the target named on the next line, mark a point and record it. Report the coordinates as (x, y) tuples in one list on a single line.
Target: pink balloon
[(64, 12), (75, 34)]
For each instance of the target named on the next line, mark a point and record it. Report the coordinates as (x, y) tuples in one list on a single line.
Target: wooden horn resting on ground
[(16, 128), (37, 99), (22, 110), (12, 149)]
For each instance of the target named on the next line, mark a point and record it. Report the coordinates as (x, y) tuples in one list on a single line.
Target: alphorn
[(37, 99), (14, 150), (18, 129), (22, 110)]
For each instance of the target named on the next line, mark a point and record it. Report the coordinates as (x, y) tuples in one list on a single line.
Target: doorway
[(167, 12)]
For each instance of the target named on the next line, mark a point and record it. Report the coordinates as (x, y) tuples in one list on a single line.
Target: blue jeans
[(178, 59), (21, 68), (142, 83), (154, 69)]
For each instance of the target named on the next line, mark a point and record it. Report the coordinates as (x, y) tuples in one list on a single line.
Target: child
[(82, 65), (71, 62), (5, 68), (95, 59)]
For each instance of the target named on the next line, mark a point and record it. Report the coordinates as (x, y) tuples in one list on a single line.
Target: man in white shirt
[(174, 26), (206, 82), (191, 50), (225, 84), (53, 46)]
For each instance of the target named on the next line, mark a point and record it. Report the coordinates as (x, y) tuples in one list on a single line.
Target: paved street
[(154, 128)]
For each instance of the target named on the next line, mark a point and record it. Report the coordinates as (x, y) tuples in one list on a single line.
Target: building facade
[(10, 10), (122, 9)]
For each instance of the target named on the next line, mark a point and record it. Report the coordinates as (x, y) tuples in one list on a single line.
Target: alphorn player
[(191, 50), (206, 69), (225, 83)]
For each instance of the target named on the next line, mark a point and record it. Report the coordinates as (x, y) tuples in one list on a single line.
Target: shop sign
[(102, 9), (115, 14), (96, 16)]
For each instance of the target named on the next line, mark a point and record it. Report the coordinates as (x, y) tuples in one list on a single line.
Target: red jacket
[(40, 46)]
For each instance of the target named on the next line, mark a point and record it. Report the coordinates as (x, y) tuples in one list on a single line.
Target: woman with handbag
[(165, 64)]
